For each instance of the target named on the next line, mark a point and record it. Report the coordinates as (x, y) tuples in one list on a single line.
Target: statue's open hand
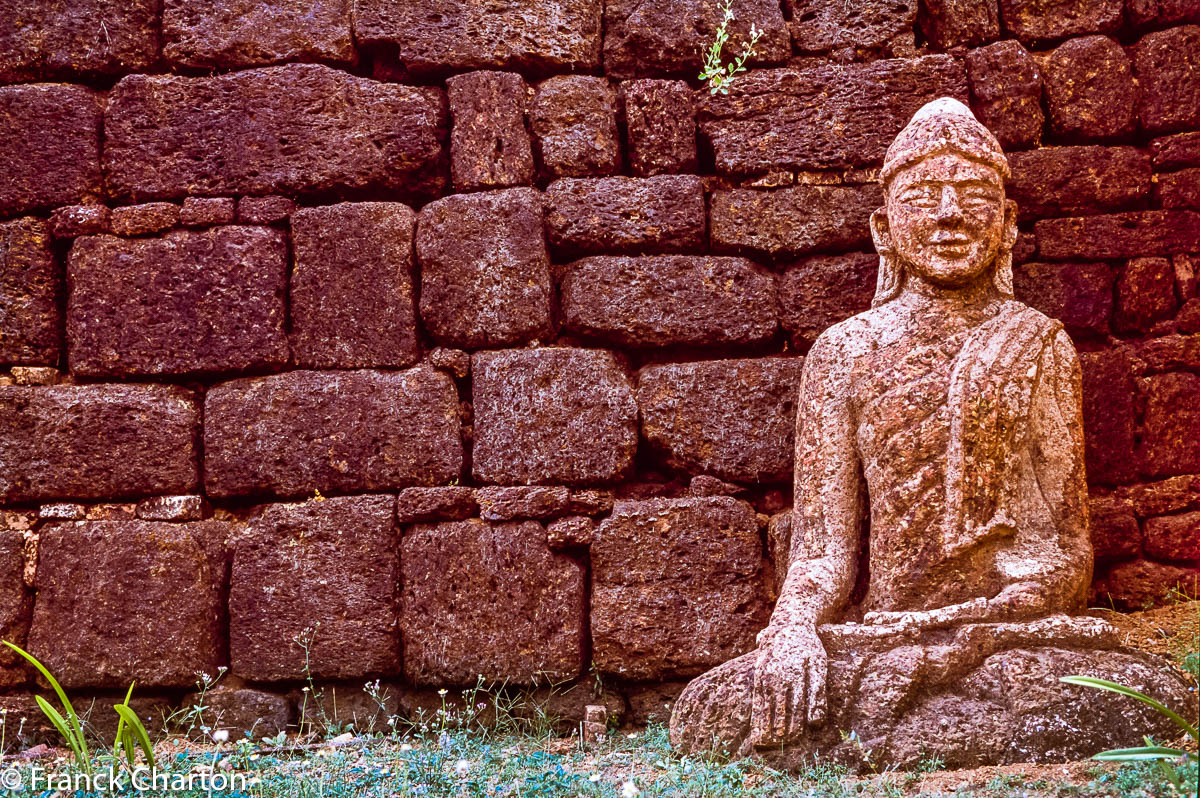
[(789, 685)]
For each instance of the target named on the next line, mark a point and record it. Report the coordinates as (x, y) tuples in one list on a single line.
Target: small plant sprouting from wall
[(720, 76)]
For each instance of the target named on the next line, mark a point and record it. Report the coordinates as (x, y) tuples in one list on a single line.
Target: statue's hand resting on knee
[(789, 684)]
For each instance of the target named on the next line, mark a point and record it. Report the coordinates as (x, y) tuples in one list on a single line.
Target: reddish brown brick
[(190, 302), (794, 221), (960, 23), (1161, 12), (352, 303), (16, 605), (660, 125), (245, 33), (1109, 422), (626, 214), (332, 431), (1080, 295), (48, 38), (49, 146), (551, 415), (96, 442), (848, 30), (1074, 181), (1119, 235), (1038, 20), (489, 144), (1170, 441), (89, 633), (574, 121), (441, 503), (207, 211), (1179, 189), (1114, 529), (140, 220), (1141, 585), (817, 292), (1090, 90), (30, 282), (270, 209), (1006, 93), (73, 221), (455, 630), (1167, 63), (322, 572), (1145, 294), (1174, 537), (1177, 151)]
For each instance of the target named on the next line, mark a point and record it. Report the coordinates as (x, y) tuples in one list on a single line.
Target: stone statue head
[(945, 219)]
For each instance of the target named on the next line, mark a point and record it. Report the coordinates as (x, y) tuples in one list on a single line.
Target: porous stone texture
[(96, 442), (270, 209), (574, 530), (1119, 235), (351, 294), (205, 211), (433, 37), (137, 220), (244, 711), (441, 503), (243, 33), (794, 221), (321, 575), (1039, 20), (173, 508), (454, 628), (188, 302), (313, 128), (49, 145), (844, 29), (1090, 90), (1080, 295), (497, 503), (88, 631), (16, 605), (821, 117), (1168, 68), (1139, 584), (574, 122), (660, 126), (1177, 151), (353, 706), (1006, 93), (1114, 530), (665, 300), (1179, 189), (552, 415), (47, 38), (339, 431), (677, 586), (485, 271), (667, 37), (1174, 537), (1170, 441), (625, 214), (959, 23), (817, 292), (1074, 181), (489, 143), (1109, 422), (72, 221), (30, 283), (732, 419), (1145, 294)]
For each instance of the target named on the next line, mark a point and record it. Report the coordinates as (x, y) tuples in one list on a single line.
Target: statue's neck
[(922, 295)]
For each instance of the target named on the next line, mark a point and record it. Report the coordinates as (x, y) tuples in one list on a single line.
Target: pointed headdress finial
[(940, 125)]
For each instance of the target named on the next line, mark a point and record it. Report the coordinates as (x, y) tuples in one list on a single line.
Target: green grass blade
[(135, 723), (1113, 687), (122, 739), (60, 724), (62, 697), (1138, 754)]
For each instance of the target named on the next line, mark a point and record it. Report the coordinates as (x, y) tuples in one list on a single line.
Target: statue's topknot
[(941, 125)]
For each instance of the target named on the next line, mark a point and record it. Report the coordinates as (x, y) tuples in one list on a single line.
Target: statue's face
[(945, 215)]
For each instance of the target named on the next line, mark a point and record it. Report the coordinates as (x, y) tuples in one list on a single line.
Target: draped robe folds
[(968, 443)]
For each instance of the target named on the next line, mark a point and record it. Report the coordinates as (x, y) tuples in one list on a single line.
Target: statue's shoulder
[(851, 337)]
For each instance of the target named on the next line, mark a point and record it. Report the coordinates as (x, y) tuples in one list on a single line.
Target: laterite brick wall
[(452, 340)]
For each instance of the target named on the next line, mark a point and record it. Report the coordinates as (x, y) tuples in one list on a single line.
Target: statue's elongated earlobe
[(891, 274)]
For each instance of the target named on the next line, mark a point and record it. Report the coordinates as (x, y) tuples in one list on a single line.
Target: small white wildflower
[(443, 691), (461, 767), (631, 735), (220, 736), (405, 747), (595, 777), (629, 790)]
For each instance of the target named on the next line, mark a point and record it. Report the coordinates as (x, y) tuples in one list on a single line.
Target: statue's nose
[(948, 208)]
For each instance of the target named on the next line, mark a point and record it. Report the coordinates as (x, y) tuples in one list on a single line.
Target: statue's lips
[(951, 247)]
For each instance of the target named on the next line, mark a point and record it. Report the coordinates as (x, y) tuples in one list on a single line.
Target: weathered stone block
[(1119, 235), (504, 503), (796, 220), (16, 605), (822, 117), (660, 126), (244, 33), (960, 23), (433, 37), (340, 431), (284, 129), (35, 375), (1141, 584), (173, 508), (190, 302), (270, 209), (574, 121), (1090, 90), (818, 292), (666, 300), (73, 221), (552, 416), (820, 27), (119, 601), (574, 530), (1145, 294), (1167, 63), (1179, 189), (320, 574), (1114, 529), (96, 442), (1074, 181), (626, 214), (1170, 440), (352, 303), (139, 220), (30, 282), (485, 271), (1161, 12), (47, 38), (1109, 422), (207, 211), (1174, 537), (49, 145), (441, 503), (1006, 93), (489, 145), (1080, 295), (676, 587), (667, 37), (243, 711), (1038, 20), (1177, 151), (455, 629), (732, 419)]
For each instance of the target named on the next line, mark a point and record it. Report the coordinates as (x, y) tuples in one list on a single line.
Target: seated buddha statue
[(939, 556)]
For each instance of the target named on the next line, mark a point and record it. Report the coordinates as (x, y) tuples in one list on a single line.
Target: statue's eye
[(978, 197), (920, 196)]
